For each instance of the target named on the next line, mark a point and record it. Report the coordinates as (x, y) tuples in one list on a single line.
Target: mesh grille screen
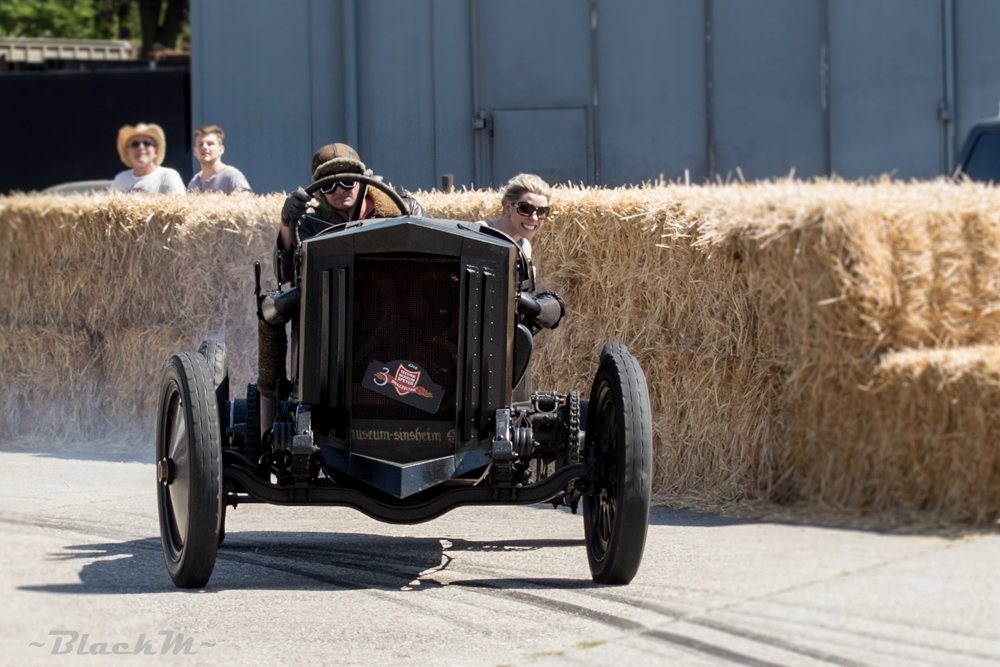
[(405, 307)]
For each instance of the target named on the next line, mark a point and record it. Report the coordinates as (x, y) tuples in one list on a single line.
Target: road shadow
[(296, 561), (664, 516), (668, 516), (136, 446), (109, 457)]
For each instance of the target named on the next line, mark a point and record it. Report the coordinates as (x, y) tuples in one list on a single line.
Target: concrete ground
[(80, 555)]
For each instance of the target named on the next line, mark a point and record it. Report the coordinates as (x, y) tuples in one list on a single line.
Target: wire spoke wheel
[(619, 441), (189, 470)]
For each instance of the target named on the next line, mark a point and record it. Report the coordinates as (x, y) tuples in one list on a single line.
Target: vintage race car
[(408, 396)]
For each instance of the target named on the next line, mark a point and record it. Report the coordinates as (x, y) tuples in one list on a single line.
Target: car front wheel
[(619, 441), (189, 470)]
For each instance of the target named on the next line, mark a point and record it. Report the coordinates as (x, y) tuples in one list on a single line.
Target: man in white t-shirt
[(215, 176), (142, 148)]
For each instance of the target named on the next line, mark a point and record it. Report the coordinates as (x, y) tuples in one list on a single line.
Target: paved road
[(80, 553)]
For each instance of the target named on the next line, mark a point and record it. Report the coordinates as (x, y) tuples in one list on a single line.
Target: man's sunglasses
[(526, 209), (135, 143), (347, 185)]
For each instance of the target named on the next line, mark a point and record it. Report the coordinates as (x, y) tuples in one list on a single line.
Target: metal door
[(534, 90), (549, 142)]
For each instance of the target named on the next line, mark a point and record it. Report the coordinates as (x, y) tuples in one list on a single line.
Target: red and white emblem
[(405, 382)]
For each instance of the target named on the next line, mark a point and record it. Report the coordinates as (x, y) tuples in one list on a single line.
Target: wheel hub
[(166, 471)]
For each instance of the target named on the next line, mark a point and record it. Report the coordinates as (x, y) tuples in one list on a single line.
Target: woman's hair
[(522, 183)]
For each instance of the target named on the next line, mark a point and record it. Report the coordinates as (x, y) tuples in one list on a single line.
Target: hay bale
[(138, 278), (53, 385), (936, 415), (768, 317), (760, 312)]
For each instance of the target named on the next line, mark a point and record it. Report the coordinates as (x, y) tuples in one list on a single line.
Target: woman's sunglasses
[(135, 143), (526, 209), (347, 185)]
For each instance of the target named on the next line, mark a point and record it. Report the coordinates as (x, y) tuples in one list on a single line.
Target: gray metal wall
[(595, 91)]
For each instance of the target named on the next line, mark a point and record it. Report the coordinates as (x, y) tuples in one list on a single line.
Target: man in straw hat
[(334, 203), (142, 148)]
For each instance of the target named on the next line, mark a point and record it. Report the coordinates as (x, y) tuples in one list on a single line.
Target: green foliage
[(116, 19), (47, 18), (149, 21)]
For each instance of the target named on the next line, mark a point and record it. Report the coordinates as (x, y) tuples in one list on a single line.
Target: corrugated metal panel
[(536, 56), (327, 78), (396, 89), (652, 90), (535, 53), (767, 87), (277, 78), (453, 112), (549, 142), (254, 80), (886, 84)]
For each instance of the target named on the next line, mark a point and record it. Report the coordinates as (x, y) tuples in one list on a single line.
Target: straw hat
[(151, 130)]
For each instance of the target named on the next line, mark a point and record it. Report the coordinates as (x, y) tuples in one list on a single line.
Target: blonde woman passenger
[(525, 201)]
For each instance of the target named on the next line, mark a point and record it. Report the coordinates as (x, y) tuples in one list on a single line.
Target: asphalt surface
[(80, 555)]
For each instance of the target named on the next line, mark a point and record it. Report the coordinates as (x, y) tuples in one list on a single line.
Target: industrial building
[(606, 92)]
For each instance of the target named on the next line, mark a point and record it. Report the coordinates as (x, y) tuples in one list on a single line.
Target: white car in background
[(78, 187)]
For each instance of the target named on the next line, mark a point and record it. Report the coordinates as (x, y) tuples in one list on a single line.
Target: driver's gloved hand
[(295, 207)]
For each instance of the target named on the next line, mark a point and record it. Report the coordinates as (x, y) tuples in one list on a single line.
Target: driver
[(333, 206), (334, 203)]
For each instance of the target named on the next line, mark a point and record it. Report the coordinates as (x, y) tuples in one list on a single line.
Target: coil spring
[(521, 437)]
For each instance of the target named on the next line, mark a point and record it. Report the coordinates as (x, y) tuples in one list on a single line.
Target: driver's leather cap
[(333, 152)]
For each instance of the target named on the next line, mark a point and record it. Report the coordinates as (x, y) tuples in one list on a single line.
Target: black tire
[(189, 467), (215, 354), (620, 435)]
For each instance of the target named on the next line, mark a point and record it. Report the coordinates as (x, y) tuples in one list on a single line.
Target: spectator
[(142, 149), (215, 176)]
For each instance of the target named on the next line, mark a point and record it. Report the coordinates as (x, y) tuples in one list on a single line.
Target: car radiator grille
[(406, 308)]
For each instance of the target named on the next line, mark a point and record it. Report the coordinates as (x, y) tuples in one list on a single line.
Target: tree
[(162, 23), (116, 19), (47, 18)]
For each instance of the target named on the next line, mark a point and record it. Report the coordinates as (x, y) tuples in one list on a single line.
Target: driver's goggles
[(347, 185)]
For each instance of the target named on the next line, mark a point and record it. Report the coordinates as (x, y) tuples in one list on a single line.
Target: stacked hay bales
[(99, 291), (827, 344), (793, 336)]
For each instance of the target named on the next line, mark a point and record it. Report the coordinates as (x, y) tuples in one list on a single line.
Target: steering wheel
[(327, 181)]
